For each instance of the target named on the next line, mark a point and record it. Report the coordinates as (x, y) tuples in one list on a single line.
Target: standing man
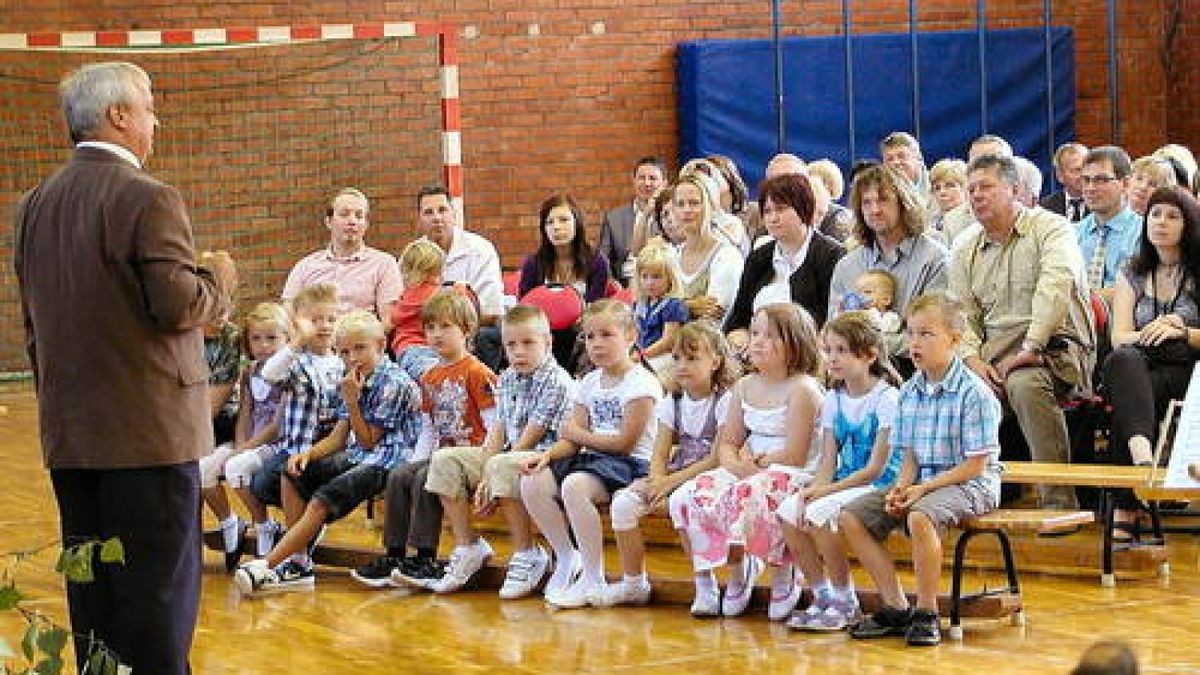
[(470, 260), (1068, 170), (113, 305), (649, 176), (1029, 334), (366, 278)]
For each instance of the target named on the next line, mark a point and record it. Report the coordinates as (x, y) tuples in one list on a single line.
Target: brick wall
[(556, 95)]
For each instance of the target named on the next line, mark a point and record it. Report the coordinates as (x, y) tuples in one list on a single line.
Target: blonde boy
[(376, 429), (947, 425), (533, 398)]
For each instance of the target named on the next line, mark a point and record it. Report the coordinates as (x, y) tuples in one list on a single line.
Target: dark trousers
[(414, 515), (145, 609), (1139, 391)]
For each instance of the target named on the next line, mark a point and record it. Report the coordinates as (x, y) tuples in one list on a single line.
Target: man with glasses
[(1109, 234)]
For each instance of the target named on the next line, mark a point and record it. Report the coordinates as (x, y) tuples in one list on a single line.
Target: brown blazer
[(113, 305)]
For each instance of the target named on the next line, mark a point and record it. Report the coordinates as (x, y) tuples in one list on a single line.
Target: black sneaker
[(418, 572), (887, 622), (924, 630), (377, 573)]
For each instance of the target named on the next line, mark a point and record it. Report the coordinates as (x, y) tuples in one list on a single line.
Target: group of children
[(768, 469)]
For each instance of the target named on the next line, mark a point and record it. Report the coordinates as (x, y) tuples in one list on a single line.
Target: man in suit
[(649, 176), (1068, 170), (113, 305)]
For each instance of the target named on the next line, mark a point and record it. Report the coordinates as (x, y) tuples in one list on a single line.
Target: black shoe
[(887, 622), (377, 573), (418, 572), (924, 630), (232, 558)]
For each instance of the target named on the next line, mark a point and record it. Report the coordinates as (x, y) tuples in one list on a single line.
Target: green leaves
[(10, 597), (112, 551), (76, 562)]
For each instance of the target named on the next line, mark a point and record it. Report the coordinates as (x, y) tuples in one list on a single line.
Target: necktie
[(1075, 210), (1095, 268)]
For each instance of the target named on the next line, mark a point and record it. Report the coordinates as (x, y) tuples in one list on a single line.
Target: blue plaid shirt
[(390, 400), (543, 397), (945, 423), (312, 401)]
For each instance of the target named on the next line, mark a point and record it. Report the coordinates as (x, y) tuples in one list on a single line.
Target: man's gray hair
[(87, 93), (1030, 176), (1004, 167)]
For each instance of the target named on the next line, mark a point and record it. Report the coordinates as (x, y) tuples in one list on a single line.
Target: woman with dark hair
[(1155, 329), (796, 266), (564, 258)]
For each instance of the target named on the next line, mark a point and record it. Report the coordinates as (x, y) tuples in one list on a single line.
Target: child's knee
[(627, 508), (921, 526)]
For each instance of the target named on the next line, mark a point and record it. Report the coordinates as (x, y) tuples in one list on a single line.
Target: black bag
[(1171, 352)]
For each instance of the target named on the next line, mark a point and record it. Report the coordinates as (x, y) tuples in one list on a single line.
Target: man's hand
[(1022, 359)]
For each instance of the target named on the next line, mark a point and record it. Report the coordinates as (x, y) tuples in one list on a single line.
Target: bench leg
[(956, 572), (1107, 505)]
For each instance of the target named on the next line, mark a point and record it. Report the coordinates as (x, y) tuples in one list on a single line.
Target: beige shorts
[(456, 472)]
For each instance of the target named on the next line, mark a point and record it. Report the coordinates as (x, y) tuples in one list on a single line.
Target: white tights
[(581, 492)]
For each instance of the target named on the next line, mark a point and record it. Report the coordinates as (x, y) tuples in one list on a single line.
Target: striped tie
[(1095, 268)]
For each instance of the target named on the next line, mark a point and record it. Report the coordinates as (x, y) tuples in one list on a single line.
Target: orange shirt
[(453, 395), (407, 329)]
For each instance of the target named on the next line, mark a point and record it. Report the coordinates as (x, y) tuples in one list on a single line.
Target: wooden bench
[(1000, 523), (1145, 482)]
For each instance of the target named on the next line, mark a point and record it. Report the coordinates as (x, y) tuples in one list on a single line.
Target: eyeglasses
[(1098, 180)]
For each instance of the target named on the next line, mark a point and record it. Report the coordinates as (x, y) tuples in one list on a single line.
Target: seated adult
[(470, 260), (796, 266), (832, 219), (366, 278), (902, 151), (890, 227), (1149, 174), (725, 225), (709, 267), (735, 197), (1068, 167), (657, 224), (1108, 235), (1029, 178), (617, 228), (1155, 329), (564, 257), (1029, 333), (949, 180)]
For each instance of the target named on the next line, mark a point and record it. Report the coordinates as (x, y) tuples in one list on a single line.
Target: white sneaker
[(579, 594), (623, 593), (566, 572), (251, 577), (525, 571), (465, 561), (707, 603), (785, 593), (741, 586)]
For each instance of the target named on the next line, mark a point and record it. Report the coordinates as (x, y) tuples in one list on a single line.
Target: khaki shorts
[(945, 507), (456, 472)]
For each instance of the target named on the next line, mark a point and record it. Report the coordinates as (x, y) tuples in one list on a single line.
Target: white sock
[(229, 532), (266, 536), (706, 582), (302, 559), (782, 579), (636, 580)]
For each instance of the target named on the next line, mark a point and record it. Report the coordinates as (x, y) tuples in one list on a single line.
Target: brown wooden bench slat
[(1029, 520), (1080, 475)]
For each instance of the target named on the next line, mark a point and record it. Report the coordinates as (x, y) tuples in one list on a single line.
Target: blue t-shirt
[(653, 316)]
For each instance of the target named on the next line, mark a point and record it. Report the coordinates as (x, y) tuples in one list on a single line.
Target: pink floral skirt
[(718, 511)]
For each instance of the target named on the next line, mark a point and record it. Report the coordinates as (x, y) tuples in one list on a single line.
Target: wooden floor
[(342, 628)]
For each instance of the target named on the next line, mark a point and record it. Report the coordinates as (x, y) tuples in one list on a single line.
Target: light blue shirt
[(1124, 232)]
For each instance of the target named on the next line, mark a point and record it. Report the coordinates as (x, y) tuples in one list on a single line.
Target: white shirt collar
[(796, 261), (118, 150)]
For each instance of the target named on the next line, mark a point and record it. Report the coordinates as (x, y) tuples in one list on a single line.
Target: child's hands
[(352, 385), (303, 331), (814, 492), (483, 501), (658, 488), (535, 464), (572, 432), (297, 463)]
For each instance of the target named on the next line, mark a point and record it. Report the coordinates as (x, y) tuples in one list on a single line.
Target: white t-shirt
[(725, 273), (882, 398), (606, 405), (693, 412)]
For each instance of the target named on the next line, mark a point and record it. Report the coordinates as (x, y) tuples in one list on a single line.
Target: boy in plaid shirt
[(378, 422), (309, 372), (533, 398), (947, 425)]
